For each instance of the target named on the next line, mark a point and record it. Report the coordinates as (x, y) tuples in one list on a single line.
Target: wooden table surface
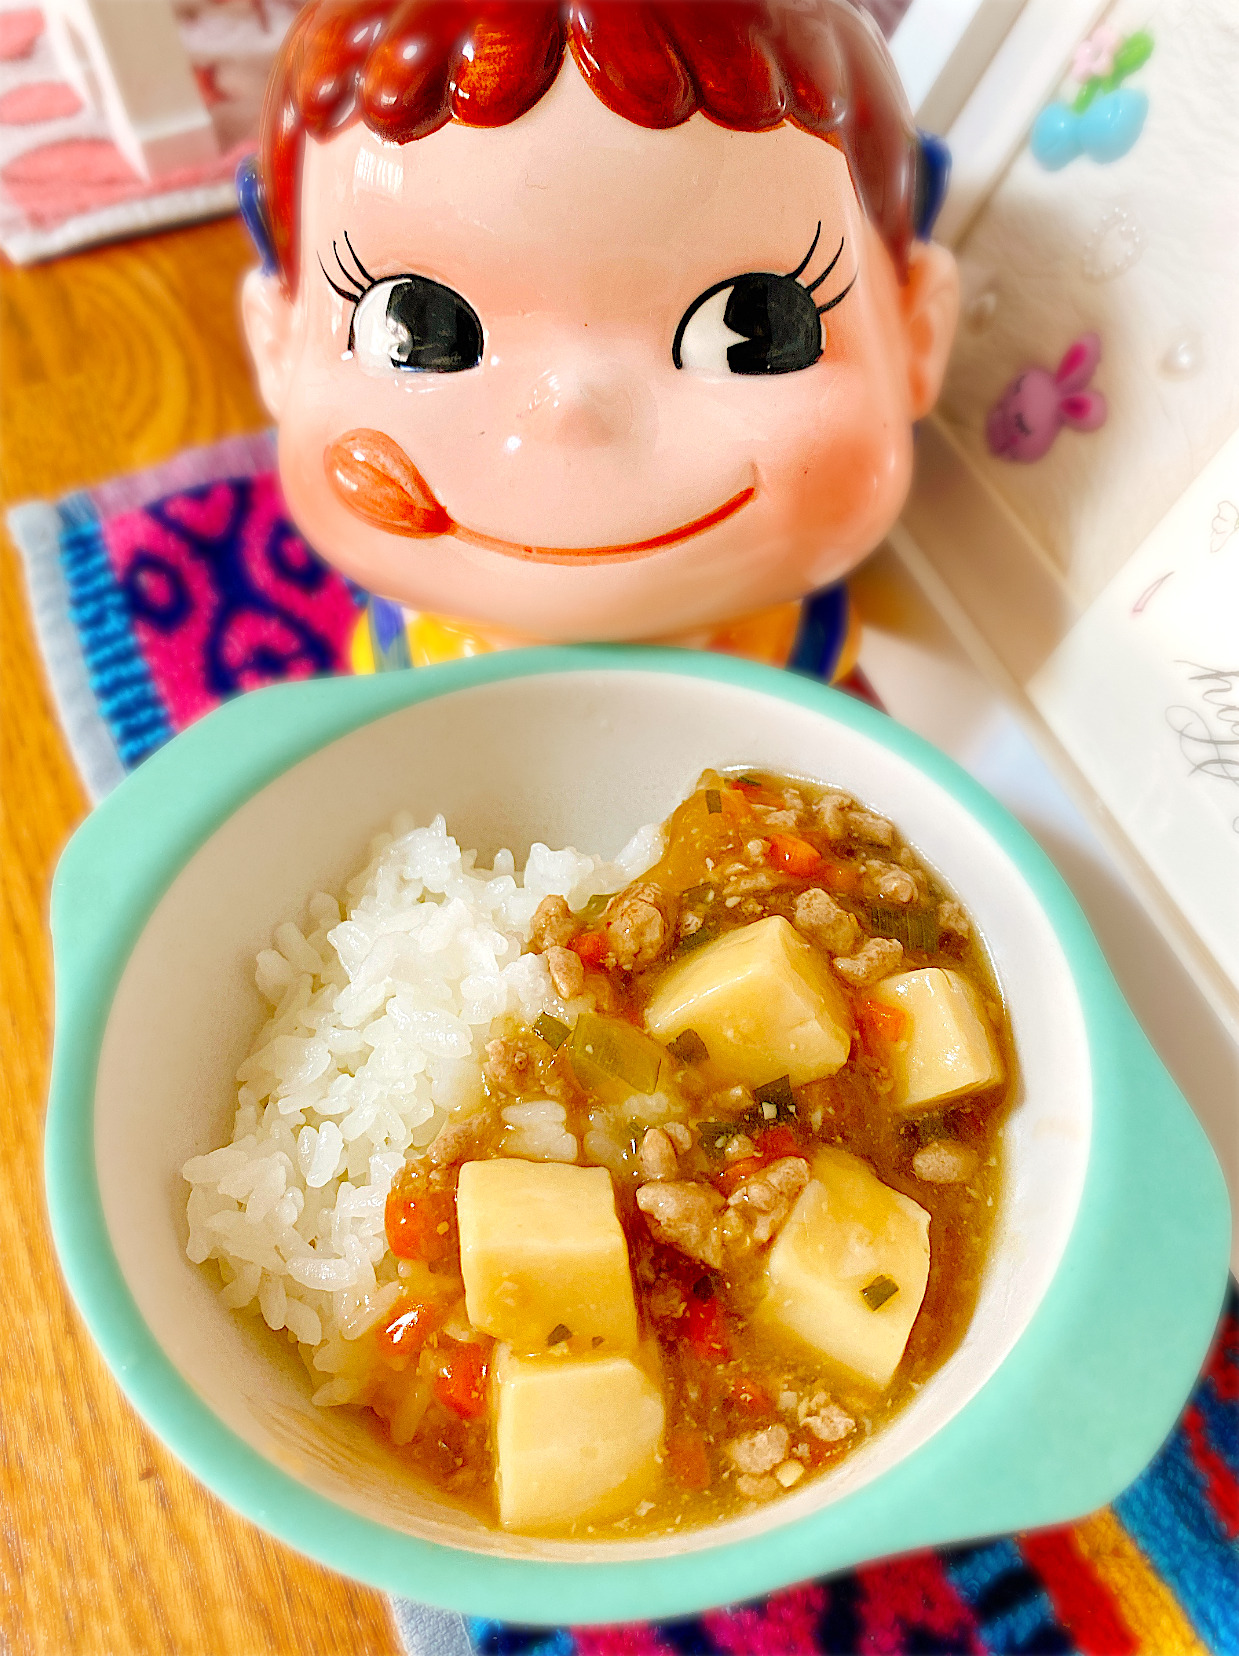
[(109, 361)]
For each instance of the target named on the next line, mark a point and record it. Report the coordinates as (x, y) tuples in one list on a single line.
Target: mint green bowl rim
[(1075, 1412)]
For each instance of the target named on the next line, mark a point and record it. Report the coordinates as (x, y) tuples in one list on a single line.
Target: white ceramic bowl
[(580, 756)]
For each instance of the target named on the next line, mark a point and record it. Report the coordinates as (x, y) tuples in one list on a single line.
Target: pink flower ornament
[(1026, 419), (1095, 56)]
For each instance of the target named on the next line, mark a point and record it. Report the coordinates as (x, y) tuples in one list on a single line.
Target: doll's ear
[(929, 304), (268, 315)]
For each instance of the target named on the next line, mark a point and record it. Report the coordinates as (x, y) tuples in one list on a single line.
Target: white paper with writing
[(1144, 694)]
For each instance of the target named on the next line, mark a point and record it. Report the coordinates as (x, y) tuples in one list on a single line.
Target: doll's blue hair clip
[(933, 176), (252, 199)]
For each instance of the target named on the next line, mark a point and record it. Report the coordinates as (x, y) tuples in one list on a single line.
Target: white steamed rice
[(375, 1041)]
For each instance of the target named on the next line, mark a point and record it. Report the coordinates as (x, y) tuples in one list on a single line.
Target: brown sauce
[(723, 1376)]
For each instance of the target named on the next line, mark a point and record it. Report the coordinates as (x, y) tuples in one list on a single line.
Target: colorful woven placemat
[(158, 595)]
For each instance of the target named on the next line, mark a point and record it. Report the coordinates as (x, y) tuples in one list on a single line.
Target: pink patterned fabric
[(914, 1594), (784, 1625), (224, 595), (886, 1609), (625, 1639)]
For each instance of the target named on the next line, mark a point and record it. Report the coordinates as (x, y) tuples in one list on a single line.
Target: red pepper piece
[(843, 877), (755, 794), (707, 1330), (777, 1142), (411, 1323), (794, 855), (878, 1022), (592, 947), (737, 1173), (772, 1145), (461, 1386), (420, 1226), (818, 1452), (750, 1395), (686, 1455)]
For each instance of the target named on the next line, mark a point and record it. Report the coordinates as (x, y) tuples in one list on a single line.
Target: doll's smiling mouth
[(373, 476)]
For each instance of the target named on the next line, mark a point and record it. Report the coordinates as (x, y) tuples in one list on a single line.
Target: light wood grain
[(108, 361)]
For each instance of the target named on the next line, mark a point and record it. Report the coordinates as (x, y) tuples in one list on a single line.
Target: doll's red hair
[(407, 67)]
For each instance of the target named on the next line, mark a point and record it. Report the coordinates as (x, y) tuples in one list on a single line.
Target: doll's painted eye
[(754, 324), (413, 323), (758, 323)]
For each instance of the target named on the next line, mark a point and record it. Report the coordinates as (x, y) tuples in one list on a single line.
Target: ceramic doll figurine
[(606, 320)]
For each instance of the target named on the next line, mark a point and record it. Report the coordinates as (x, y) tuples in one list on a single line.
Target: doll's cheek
[(844, 484)]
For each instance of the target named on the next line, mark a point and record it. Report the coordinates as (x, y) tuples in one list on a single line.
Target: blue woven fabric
[(118, 675)]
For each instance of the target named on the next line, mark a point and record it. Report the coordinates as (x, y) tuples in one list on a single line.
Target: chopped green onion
[(559, 1334), (552, 1031), (917, 930), (750, 781), (694, 940), (714, 801), (688, 1047), (716, 1135), (607, 1050), (697, 894), (878, 1292), (776, 1098), (597, 904)]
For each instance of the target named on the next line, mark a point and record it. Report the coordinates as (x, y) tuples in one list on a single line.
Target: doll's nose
[(580, 410)]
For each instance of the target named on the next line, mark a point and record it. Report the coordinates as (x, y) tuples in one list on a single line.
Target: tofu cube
[(544, 1259), (848, 1272), (764, 1002), (947, 1048), (576, 1439)]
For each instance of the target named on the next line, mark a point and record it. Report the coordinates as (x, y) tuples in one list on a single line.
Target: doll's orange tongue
[(375, 478)]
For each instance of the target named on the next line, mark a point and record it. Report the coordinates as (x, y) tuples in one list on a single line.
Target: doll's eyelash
[(361, 281), (811, 287), (357, 288)]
